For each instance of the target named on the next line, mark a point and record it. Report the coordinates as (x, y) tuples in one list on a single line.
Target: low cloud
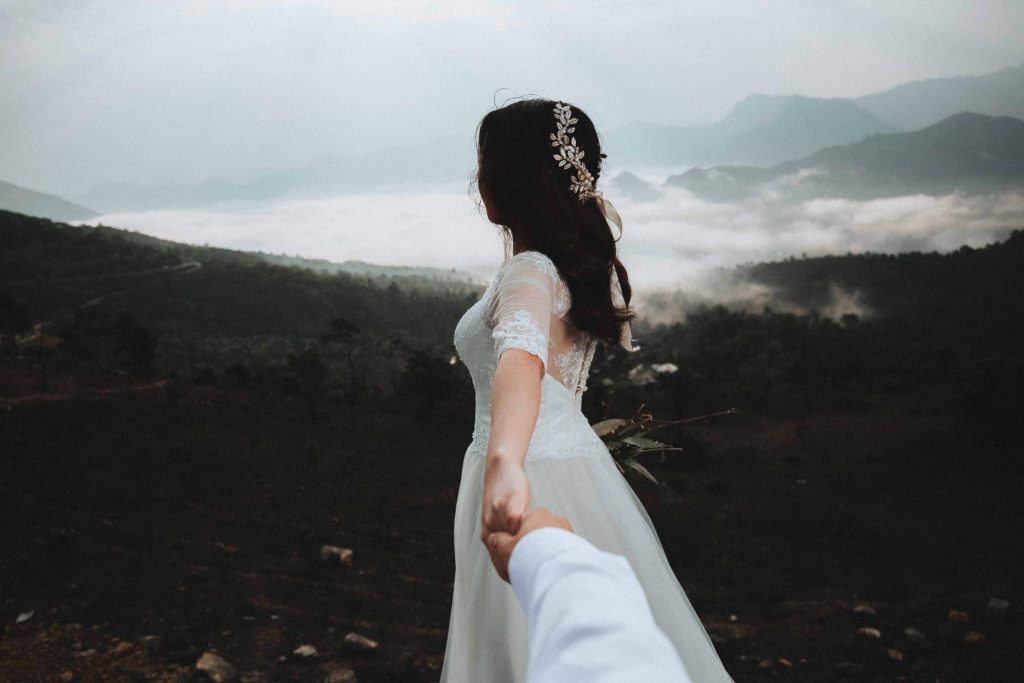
[(687, 246), (678, 244)]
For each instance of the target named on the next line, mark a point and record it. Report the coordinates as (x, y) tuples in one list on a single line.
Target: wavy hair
[(535, 208)]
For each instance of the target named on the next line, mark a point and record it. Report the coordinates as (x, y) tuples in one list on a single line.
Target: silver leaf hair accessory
[(570, 156), (583, 185)]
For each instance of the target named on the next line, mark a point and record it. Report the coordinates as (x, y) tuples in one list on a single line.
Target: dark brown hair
[(535, 207)]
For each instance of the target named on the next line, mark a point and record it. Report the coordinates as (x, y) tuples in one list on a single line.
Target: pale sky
[(153, 92)]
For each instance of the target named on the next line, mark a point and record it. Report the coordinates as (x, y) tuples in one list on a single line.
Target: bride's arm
[(520, 311), (515, 404)]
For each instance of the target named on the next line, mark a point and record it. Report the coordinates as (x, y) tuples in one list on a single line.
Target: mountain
[(629, 185), (759, 130), (921, 103), (794, 127), (762, 130), (32, 203), (969, 152), (440, 159)]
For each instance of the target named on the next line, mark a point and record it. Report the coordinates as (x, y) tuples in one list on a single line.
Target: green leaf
[(644, 442)]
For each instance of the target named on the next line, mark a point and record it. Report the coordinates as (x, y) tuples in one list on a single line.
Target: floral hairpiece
[(583, 185), (569, 155)]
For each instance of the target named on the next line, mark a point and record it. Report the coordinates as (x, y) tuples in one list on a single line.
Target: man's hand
[(506, 496), (501, 543)]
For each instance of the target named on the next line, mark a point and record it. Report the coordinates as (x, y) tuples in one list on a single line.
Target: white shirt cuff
[(533, 549)]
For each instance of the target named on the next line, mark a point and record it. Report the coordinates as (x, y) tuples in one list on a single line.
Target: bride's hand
[(506, 497)]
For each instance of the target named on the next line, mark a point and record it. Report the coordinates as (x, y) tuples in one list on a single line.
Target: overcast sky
[(175, 90)]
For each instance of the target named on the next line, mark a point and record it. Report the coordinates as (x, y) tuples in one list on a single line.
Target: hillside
[(32, 203), (406, 277), (967, 300), (215, 306), (926, 320), (966, 152)]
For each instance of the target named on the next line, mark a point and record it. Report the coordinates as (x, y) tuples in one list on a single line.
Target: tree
[(310, 374), (14, 317), (109, 340), (343, 337), (427, 382)]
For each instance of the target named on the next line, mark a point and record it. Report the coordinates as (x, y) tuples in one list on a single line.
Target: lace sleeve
[(521, 308)]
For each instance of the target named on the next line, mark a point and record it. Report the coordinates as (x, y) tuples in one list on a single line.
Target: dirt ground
[(145, 532)]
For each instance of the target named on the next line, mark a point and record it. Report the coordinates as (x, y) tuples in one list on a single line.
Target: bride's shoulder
[(529, 259), (538, 259)]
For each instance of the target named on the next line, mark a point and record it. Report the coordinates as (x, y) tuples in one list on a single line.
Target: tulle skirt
[(487, 631)]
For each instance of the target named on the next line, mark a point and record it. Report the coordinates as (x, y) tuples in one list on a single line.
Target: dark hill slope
[(186, 294), (969, 300)]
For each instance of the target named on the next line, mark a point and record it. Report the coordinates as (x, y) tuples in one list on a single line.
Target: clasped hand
[(506, 496)]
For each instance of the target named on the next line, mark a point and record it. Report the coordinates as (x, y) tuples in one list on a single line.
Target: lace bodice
[(525, 307)]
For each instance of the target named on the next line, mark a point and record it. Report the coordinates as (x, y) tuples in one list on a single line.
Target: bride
[(528, 344)]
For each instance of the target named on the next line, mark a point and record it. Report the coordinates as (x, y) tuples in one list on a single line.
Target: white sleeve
[(588, 616), (521, 309)]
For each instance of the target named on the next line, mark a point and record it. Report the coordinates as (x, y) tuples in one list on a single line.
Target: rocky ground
[(195, 536)]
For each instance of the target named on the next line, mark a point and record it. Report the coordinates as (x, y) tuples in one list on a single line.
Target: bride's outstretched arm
[(521, 311), (515, 404)]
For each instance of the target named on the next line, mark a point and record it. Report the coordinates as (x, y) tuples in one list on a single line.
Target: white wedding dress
[(571, 473)]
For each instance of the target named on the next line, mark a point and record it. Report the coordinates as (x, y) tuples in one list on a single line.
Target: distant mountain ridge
[(969, 152), (32, 203), (630, 185), (917, 104), (760, 130), (764, 130)]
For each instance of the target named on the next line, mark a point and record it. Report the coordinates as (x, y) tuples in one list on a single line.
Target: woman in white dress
[(528, 344)]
